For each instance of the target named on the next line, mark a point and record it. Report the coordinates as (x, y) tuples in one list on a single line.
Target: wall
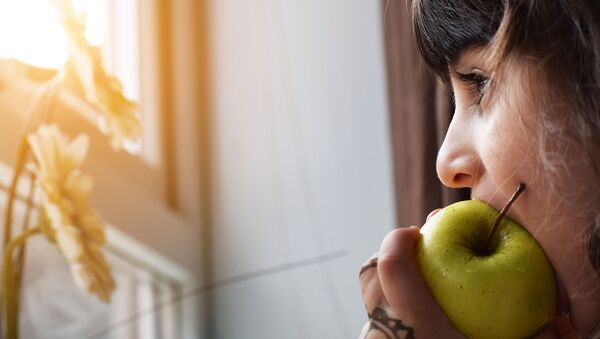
[(301, 165)]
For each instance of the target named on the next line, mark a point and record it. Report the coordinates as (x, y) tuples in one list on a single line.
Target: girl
[(525, 79)]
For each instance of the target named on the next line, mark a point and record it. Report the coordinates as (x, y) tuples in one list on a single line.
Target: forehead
[(445, 27)]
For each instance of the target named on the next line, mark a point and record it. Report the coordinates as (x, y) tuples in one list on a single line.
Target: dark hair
[(443, 28), (562, 36)]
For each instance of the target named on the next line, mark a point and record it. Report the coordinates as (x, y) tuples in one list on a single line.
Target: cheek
[(511, 153), (509, 150)]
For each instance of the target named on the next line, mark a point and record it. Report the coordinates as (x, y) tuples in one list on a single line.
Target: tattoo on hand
[(391, 328), (371, 264)]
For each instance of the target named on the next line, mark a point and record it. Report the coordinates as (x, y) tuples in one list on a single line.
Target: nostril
[(462, 179), (458, 164)]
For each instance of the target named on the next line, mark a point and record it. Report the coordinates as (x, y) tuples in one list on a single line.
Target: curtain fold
[(420, 112)]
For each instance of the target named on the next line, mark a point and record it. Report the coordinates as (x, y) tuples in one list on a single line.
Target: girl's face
[(493, 144)]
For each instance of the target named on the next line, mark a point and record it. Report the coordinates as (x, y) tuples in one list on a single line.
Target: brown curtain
[(420, 112)]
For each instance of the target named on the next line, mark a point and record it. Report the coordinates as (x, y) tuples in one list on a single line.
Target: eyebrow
[(475, 53)]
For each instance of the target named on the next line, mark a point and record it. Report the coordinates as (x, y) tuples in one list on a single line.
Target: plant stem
[(19, 165), (20, 259), (502, 213), (11, 316), (39, 106)]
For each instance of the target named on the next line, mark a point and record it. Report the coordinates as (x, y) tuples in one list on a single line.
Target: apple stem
[(503, 212)]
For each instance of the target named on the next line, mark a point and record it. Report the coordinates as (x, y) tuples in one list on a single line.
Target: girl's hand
[(398, 302)]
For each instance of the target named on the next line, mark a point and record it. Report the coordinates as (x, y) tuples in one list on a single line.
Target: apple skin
[(508, 293)]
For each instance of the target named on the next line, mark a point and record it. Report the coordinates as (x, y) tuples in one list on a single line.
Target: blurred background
[(279, 146)]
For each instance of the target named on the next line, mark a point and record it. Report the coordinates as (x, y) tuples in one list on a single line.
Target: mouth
[(503, 204)]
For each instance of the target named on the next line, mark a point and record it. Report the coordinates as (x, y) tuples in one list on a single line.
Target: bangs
[(443, 28)]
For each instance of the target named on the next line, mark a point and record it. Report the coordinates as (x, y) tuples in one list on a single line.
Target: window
[(154, 244)]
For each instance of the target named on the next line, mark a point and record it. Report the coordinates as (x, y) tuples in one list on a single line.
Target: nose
[(458, 163)]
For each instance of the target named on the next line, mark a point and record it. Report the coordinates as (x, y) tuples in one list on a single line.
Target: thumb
[(404, 289), (401, 280), (397, 267)]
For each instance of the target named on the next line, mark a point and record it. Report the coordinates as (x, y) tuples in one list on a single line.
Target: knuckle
[(397, 252), (391, 264)]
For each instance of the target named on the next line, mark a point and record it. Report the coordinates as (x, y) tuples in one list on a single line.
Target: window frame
[(156, 219)]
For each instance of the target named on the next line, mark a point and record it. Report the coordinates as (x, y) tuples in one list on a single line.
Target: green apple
[(502, 290)]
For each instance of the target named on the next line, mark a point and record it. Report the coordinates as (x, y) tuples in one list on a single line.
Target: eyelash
[(478, 83)]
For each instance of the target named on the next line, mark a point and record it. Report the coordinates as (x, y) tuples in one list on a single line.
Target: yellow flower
[(66, 216), (118, 118)]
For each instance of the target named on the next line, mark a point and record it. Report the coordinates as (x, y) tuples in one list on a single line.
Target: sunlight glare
[(31, 33)]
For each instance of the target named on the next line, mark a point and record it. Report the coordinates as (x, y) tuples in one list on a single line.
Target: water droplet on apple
[(459, 285)]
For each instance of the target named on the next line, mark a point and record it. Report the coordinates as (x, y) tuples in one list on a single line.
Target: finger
[(375, 330), (372, 331), (369, 264), (408, 305), (401, 281), (370, 290), (396, 267), (369, 284)]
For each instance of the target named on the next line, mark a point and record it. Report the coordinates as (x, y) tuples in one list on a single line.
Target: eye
[(477, 82)]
